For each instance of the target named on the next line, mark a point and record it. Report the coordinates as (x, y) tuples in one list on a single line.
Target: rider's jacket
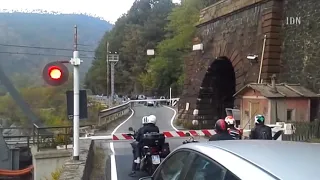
[(235, 133), (221, 136), (261, 131), (148, 128)]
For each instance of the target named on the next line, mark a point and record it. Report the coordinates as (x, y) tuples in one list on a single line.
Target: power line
[(34, 54), (47, 48), (84, 45)]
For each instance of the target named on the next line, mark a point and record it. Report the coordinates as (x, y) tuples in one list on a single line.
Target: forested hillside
[(55, 31), (23, 36), (149, 24)]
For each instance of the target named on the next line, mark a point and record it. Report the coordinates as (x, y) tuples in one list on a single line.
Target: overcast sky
[(110, 10)]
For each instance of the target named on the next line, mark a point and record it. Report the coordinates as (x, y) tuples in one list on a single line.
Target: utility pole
[(170, 96), (75, 61), (114, 58), (107, 61)]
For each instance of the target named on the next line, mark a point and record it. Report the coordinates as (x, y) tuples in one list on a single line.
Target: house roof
[(283, 90)]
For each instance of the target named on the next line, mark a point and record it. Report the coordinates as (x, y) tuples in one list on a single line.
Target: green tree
[(141, 28), (166, 69)]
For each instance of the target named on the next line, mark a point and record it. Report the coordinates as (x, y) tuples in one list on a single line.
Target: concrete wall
[(76, 170), (48, 161), (81, 170)]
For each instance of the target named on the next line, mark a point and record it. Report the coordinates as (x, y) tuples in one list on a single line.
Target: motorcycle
[(153, 149)]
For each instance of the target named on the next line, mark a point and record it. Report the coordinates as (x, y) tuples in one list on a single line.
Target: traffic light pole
[(75, 61)]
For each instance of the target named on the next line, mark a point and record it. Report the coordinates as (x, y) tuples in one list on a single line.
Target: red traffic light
[(55, 73)]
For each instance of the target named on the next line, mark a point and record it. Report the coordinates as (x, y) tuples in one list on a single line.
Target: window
[(289, 114), (172, 167), (206, 169), (231, 176)]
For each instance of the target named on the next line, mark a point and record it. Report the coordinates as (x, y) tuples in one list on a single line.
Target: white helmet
[(145, 120), (230, 120), (152, 119)]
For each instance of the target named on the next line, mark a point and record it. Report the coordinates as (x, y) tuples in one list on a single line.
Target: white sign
[(197, 47), (150, 52), (187, 106)]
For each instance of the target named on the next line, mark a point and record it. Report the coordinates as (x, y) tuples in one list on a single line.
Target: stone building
[(230, 30)]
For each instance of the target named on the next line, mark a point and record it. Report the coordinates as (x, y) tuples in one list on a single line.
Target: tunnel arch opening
[(216, 92)]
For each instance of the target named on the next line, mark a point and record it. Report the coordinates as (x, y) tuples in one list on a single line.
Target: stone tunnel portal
[(216, 92)]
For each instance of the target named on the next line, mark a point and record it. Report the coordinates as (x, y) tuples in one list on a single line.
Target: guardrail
[(114, 113), (111, 111), (126, 105)]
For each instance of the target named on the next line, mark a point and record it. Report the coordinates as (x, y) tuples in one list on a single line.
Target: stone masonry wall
[(234, 29), (301, 43)]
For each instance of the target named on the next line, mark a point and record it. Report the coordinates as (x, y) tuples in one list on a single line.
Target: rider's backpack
[(264, 132)]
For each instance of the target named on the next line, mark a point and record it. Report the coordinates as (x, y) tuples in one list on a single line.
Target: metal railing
[(51, 137)]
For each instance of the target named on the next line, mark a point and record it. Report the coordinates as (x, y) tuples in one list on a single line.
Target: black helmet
[(221, 125)]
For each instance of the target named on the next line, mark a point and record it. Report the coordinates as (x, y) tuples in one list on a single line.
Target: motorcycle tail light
[(154, 150)]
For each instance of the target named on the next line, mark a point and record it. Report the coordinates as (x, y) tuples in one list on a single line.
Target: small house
[(277, 102)]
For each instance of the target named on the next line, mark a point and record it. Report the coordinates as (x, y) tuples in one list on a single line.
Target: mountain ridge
[(42, 11), (54, 31)]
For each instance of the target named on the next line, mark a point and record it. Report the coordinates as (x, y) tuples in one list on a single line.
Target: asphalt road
[(120, 163)]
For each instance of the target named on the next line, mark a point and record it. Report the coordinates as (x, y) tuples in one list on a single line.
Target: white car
[(241, 160), (150, 103)]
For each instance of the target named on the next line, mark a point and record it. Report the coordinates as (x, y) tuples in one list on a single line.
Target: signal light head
[(55, 73)]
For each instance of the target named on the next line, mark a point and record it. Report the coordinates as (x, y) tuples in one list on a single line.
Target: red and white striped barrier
[(171, 134)]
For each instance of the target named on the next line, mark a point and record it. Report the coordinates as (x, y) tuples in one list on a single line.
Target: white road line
[(173, 117), (114, 175)]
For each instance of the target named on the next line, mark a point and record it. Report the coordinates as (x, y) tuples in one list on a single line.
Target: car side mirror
[(130, 129), (146, 178)]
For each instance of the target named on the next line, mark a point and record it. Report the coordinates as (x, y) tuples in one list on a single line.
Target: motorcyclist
[(221, 131), (144, 121), (260, 131), (233, 131), (149, 126)]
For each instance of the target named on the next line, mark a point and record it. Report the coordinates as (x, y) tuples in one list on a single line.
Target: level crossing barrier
[(286, 128)]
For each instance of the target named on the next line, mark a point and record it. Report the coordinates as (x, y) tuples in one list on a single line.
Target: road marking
[(173, 117), (114, 175)]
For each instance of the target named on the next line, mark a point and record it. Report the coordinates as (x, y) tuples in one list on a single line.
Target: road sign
[(55, 73), (82, 107)]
